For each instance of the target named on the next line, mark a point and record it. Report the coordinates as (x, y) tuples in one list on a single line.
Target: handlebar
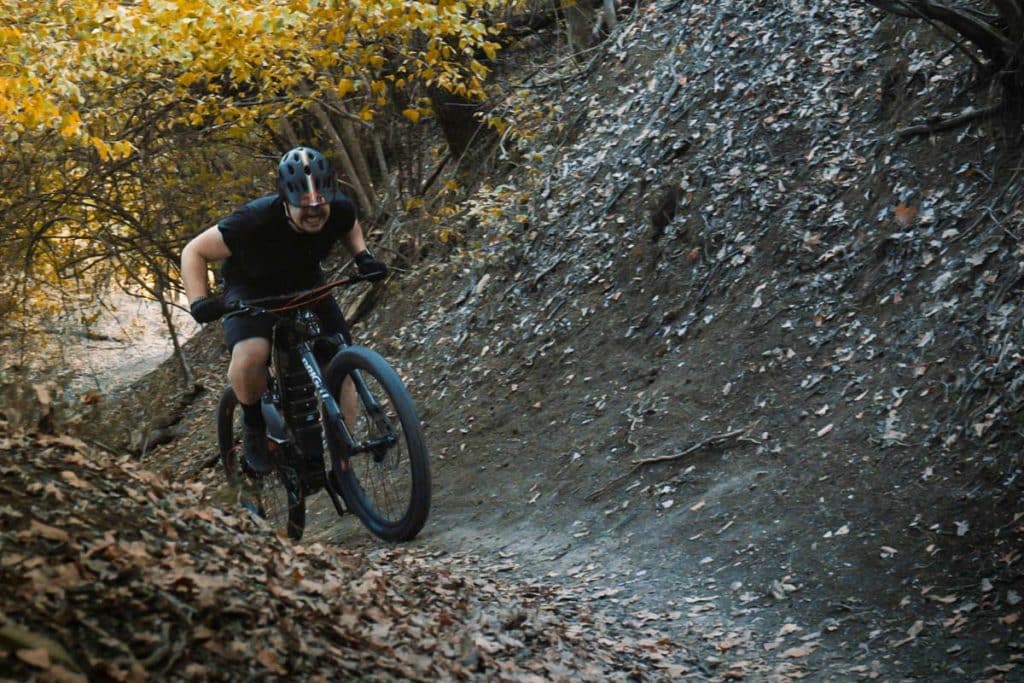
[(291, 300)]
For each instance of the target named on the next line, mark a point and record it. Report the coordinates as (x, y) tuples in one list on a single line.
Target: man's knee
[(250, 355)]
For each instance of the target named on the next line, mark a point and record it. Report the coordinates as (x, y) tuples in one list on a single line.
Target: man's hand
[(370, 268), (206, 309)]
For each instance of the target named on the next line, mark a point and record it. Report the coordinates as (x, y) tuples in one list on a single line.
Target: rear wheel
[(277, 497), (386, 480)]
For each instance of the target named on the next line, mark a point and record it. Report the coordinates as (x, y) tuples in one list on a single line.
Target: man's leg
[(349, 406), (247, 373)]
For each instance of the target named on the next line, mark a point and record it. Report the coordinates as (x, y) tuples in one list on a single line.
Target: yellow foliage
[(345, 86), (71, 124), (118, 98), (101, 147), (446, 235), (70, 63), (497, 123)]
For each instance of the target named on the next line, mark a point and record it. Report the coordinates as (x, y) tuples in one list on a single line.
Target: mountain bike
[(357, 409)]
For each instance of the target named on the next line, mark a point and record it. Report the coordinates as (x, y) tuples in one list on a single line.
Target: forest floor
[(731, 401)]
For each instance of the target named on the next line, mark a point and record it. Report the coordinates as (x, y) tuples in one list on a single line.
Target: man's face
[(309, 219)]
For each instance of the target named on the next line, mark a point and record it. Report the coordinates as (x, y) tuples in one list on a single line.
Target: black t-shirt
[(268, 257)]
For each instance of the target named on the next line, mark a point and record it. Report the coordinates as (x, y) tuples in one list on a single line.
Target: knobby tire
[(366, 480), (240, 478)]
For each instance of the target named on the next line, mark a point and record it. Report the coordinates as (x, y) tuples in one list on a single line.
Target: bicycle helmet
[(305, 177)]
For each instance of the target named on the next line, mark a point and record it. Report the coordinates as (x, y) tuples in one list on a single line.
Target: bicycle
[(379, 467)]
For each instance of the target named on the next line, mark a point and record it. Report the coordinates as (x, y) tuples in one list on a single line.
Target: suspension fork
[(357, 379), (333, 420)]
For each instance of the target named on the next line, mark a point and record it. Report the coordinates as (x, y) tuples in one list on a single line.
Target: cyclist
[(271, 246)]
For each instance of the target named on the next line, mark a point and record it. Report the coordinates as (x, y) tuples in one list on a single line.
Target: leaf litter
[(139, 577)]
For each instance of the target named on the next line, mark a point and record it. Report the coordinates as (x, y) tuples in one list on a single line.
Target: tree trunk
[(385, 172), (610, 20), (1013, 13), (354, 144), (367, 207), (462, 129), (187, 374), (288, 131), (355, 148), (580, 19)]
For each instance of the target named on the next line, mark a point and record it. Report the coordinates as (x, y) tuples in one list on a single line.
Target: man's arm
[(368, 265), (207, 247), (354, 240)]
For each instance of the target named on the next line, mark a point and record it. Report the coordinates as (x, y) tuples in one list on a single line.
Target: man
[(273, 245)]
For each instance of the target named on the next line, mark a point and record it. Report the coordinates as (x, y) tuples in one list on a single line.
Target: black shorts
[(239, 326)]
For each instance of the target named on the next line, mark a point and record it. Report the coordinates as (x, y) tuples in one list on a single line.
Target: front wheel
[(276, 497), (383, 472)]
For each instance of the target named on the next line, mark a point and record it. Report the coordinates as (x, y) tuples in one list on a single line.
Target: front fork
[(341, 445), (334, 419)]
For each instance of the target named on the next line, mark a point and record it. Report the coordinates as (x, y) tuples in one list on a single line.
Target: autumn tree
[(128, 127)]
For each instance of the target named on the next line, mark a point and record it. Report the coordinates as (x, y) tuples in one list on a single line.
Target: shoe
[(254, 449)]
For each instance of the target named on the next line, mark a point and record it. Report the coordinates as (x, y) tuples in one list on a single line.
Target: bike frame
[(297, 336), (307, 326)]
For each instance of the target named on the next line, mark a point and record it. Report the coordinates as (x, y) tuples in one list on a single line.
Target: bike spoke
[(384, 482)]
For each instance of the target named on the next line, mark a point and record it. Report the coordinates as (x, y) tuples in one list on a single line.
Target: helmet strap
[(288, 217)]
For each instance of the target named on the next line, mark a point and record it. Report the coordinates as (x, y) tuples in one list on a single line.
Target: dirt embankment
[(736, 360)]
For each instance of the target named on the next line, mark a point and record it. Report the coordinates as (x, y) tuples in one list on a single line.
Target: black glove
[(370, 268), (206, 309)]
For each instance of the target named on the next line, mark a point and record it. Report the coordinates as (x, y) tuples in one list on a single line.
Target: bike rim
[(384, 475)]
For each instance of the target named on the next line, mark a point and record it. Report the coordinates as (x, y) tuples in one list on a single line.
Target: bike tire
[(261, 494), (389, 490)]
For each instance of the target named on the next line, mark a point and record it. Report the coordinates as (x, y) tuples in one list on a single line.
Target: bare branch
[(939, 123), (982, 33)]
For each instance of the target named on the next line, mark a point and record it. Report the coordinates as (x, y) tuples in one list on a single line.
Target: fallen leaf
[(944, 599), (51, 533), (14, 635), (268, 659), (73, 479), (91, 398), (62, 440), (729, 644), (59, 674), (905, 214), (37, 657)]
